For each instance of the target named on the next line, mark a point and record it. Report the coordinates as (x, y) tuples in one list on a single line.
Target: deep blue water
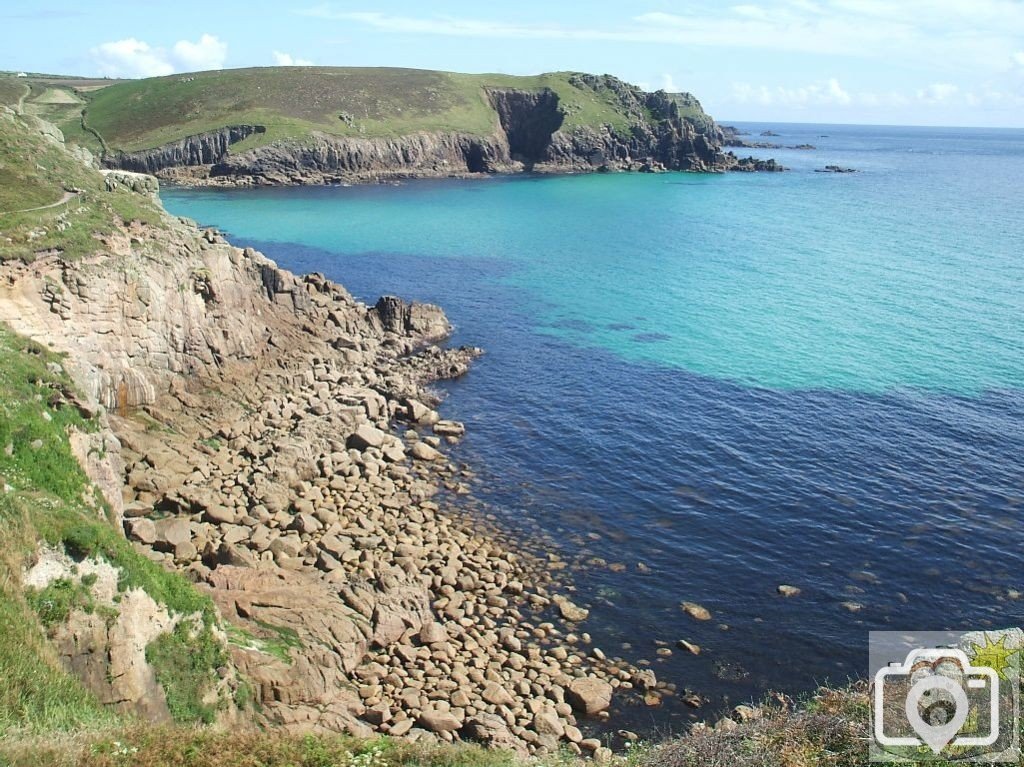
[(738, 381)]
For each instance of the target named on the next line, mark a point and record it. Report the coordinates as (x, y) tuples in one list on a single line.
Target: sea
[(700, 387)]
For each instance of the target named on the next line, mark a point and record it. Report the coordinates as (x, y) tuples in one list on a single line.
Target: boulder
[(400, 728), (220, 515), (449, 429), (589, 695), (570, 611), (497, 695), (421, 451), (690, 647), (433, 632), (491, 730), (172, 531), (696, 611), (394, 453), (434, 720), (141, 529), (417, 412), (367, 436), (548, 723), (306, 523)]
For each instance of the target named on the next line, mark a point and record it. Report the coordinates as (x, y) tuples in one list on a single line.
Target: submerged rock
[(696, 611)]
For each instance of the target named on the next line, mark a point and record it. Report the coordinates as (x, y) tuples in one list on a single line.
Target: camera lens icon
[(930, 697), (937, 707)]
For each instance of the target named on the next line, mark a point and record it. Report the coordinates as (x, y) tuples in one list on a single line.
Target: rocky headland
[(531, 134), (278, 443)]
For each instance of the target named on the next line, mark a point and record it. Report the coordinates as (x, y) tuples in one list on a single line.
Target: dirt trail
[(20, 106), (67, 196)]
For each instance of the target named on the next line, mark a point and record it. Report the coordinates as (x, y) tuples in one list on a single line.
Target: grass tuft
[(55, 603), (185, 662)]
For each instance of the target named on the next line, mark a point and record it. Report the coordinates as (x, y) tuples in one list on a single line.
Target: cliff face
[(201, 149), (326, 158), (665, 132), (528, 120)]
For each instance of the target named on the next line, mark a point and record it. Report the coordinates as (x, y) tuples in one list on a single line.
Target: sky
[(895, 62)]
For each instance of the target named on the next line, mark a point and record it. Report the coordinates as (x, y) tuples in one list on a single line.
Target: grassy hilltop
[(291, 102)]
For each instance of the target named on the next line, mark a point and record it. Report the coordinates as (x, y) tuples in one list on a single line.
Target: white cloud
[(287, 60), (208, 53), (454, 27), (130, 58), (835, 92), (937, 93), (750, 11), (668, 84), (965, 34), (815, 94), (973, 45), (135, 58), (831, 93)]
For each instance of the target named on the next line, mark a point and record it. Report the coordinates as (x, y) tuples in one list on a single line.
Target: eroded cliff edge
[(659, 131), (253, 446)]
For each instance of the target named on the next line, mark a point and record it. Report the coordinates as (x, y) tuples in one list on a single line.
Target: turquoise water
[(738, 381), (908, 273)]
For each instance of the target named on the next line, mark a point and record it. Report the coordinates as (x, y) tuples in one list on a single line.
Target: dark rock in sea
[(804, 146), (769, 133), (835, 169), (737, 142), (752, 164)]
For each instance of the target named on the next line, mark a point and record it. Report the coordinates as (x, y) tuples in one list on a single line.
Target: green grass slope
[(46, 497), (36, 171), (293, 101)]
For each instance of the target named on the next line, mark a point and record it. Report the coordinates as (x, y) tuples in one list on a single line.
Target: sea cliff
[(276, 443), (530, 129)]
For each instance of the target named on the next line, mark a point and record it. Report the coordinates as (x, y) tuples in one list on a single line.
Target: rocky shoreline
[(437, 629), (278, 442), (203, 175)]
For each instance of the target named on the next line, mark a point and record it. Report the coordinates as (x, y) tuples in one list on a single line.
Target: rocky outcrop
[(667, 132), (130, 180), (303, 684), (201, 149), (106, 648), (424, 321), (325, 158)]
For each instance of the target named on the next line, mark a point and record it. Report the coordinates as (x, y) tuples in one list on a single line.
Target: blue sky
[(943, 62)]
